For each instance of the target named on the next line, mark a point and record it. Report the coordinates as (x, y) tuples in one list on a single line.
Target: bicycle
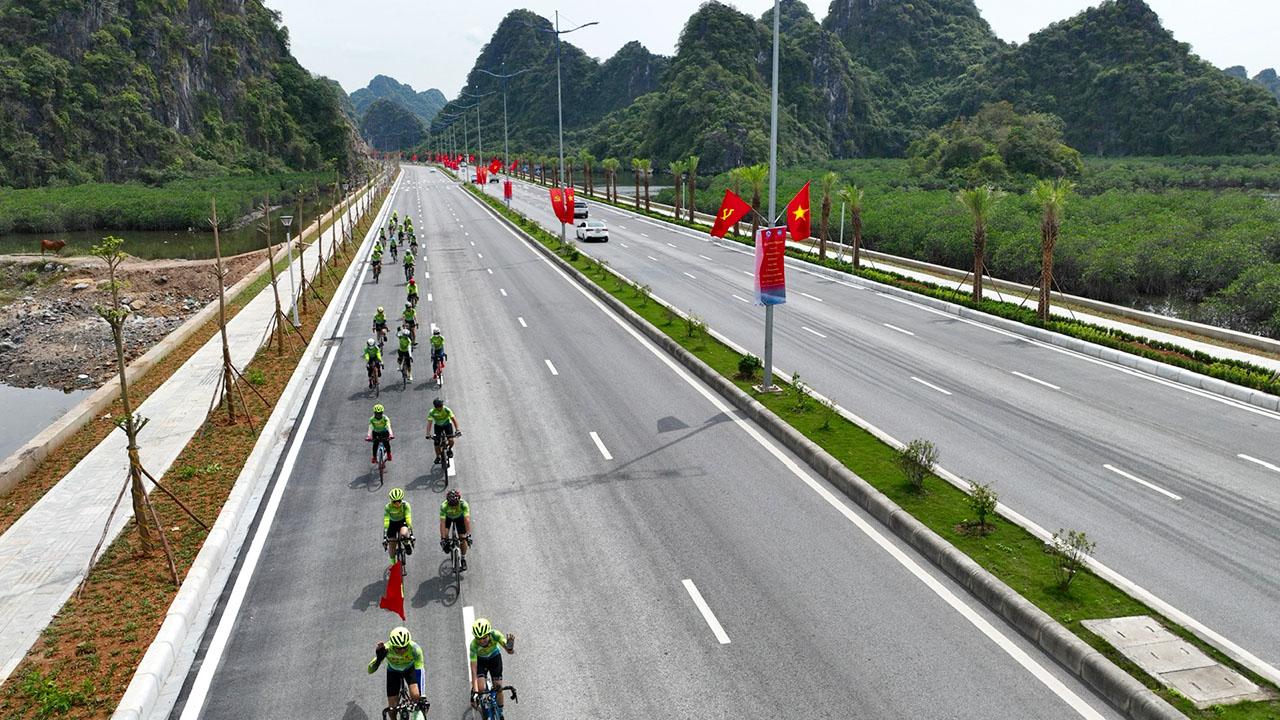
[(437, 369), (408, 272), (375, 375), (453, 543), (380, 454), (402, 555), (381, 332), (377, 272), (393, 252), (487, 701), (442, 449), (407, 708), (404, 372)]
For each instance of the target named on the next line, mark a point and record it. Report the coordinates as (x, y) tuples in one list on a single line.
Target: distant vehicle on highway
[(494, 179), (579, 209), (592, 230)]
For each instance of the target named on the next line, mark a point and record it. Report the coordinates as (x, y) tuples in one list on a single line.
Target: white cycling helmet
[(371, 342)]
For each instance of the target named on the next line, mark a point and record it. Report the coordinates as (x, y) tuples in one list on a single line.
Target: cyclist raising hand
[(486, 659), (405, 663)]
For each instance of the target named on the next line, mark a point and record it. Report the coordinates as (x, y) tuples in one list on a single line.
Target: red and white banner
[(562, 204), (771, 256)]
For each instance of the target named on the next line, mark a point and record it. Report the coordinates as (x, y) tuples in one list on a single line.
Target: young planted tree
[(979, 201), (677, 168), (755, 176), (827, 183), (635, 173), (611, 166), (690, 200), (586, 159), (851, 196), (1052, 196)]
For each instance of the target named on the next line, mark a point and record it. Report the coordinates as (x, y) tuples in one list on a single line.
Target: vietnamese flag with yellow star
[(732, 209), (798, 214)]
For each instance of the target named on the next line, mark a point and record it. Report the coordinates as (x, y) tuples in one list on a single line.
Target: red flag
[(513, 166), (471, 159), (562, 204), (798, 214), (495, 165), (415, 157), (393, 598), (732, 209)]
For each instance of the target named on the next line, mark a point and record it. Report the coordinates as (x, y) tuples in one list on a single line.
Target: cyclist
[(412, 290), (455, 513), (392, 247), (408, 266), (404, 351), (437, 349), (410, 321), (443, 423), (413, 242), (397, 524), (395, 219), (380, 324), (486, 659), (379, 433), (372, 359), (408, 224), (405, 661), (375, 260), (382, 238)]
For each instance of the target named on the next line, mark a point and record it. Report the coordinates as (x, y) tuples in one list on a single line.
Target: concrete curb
[(15, 468), (1116, 686), (189, 612)]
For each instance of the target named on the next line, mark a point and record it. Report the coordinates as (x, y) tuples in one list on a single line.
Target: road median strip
[(1007, 569)]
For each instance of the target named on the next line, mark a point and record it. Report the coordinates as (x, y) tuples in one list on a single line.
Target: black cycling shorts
[(458, 522), (442, 430), (407, 676), (403, 355), (491, 666), (393, 530)]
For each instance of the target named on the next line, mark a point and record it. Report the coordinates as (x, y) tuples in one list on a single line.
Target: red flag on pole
[(798, 214), (393, 598), (562, 204), (732, 209), (495, 165), (513, 166)]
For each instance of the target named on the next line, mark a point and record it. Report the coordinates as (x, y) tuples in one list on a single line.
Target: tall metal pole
[(479, 137), (773, 195), (560, 113), (506, 153), (465, 134)]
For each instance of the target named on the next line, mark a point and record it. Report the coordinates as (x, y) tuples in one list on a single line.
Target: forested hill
[(424, 104), (97, 91)]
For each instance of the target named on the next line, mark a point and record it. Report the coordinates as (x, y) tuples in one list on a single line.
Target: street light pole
[(560, 115), (287, 220), (773, 196)]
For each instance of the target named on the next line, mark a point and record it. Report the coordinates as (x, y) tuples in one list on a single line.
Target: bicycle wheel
[(402, 558), (382, 464)]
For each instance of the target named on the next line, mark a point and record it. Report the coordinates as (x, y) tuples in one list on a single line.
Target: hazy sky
[(433, 43)]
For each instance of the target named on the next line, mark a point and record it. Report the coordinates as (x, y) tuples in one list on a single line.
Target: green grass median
[(1012, 554)]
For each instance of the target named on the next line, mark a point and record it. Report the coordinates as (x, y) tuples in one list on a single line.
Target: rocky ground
[(50, 334)]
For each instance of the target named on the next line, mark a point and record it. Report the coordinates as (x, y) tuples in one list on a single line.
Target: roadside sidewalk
[(38, 575)]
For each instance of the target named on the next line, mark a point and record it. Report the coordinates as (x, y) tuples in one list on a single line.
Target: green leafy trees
[(997, 146), (979, 201), (1051, 195)]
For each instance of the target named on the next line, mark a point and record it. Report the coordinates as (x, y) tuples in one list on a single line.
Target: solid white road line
[(704, 257), (1263, 463), (1140, 481), (503, 291), (690, 276), (895, 327), (1024, 376), (707, 615), (652, 258), (468, 618), (551, 367), (1002, 641), (600, 445), (522, 322), (739, 297), (811, 297), (931, 385), (811, 330)]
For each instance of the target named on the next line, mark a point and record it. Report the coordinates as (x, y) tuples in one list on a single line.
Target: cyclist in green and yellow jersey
[(408, 266), (397, 523), (443, 423), (455, 513), (486, 658), (372, 359), (380, 432), (411, 291), (405, 664), (409, 318), (380, 325), (404, 351), (437, 349)]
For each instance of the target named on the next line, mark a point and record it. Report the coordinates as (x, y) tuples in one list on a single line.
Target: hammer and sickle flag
[(732, 209)]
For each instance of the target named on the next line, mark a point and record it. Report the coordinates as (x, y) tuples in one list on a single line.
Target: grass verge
[(85, 658), (1238, 372), (1010, 553)]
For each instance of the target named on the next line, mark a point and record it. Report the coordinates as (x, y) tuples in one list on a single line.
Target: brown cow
[(54, 245)]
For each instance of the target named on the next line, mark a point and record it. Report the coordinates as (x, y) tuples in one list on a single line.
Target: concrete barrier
[(1116, 686), (23, 461)]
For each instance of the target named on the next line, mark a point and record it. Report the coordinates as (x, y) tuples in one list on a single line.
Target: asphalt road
[(1180, 488), (605, 483)]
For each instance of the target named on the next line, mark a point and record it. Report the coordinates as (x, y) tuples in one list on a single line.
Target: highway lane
[(1175, 484), (585, 543)]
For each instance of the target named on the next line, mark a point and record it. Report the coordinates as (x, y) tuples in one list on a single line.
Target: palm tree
[(677, 172), (755, 176), (568, 171), (586, 159), (646, 169), (690, 201), (851, 196), (635, 168), (611, 166), (735, 184), (1052, 196), (827, 183), (979, 201)]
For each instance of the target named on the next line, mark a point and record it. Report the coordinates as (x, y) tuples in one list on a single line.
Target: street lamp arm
[(470, 95), (507, 75)]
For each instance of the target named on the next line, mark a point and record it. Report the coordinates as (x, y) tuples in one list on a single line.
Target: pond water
[(158, 244), (27, 411)]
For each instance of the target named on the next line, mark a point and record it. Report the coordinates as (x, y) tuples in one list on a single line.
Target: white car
[(592, 230)]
